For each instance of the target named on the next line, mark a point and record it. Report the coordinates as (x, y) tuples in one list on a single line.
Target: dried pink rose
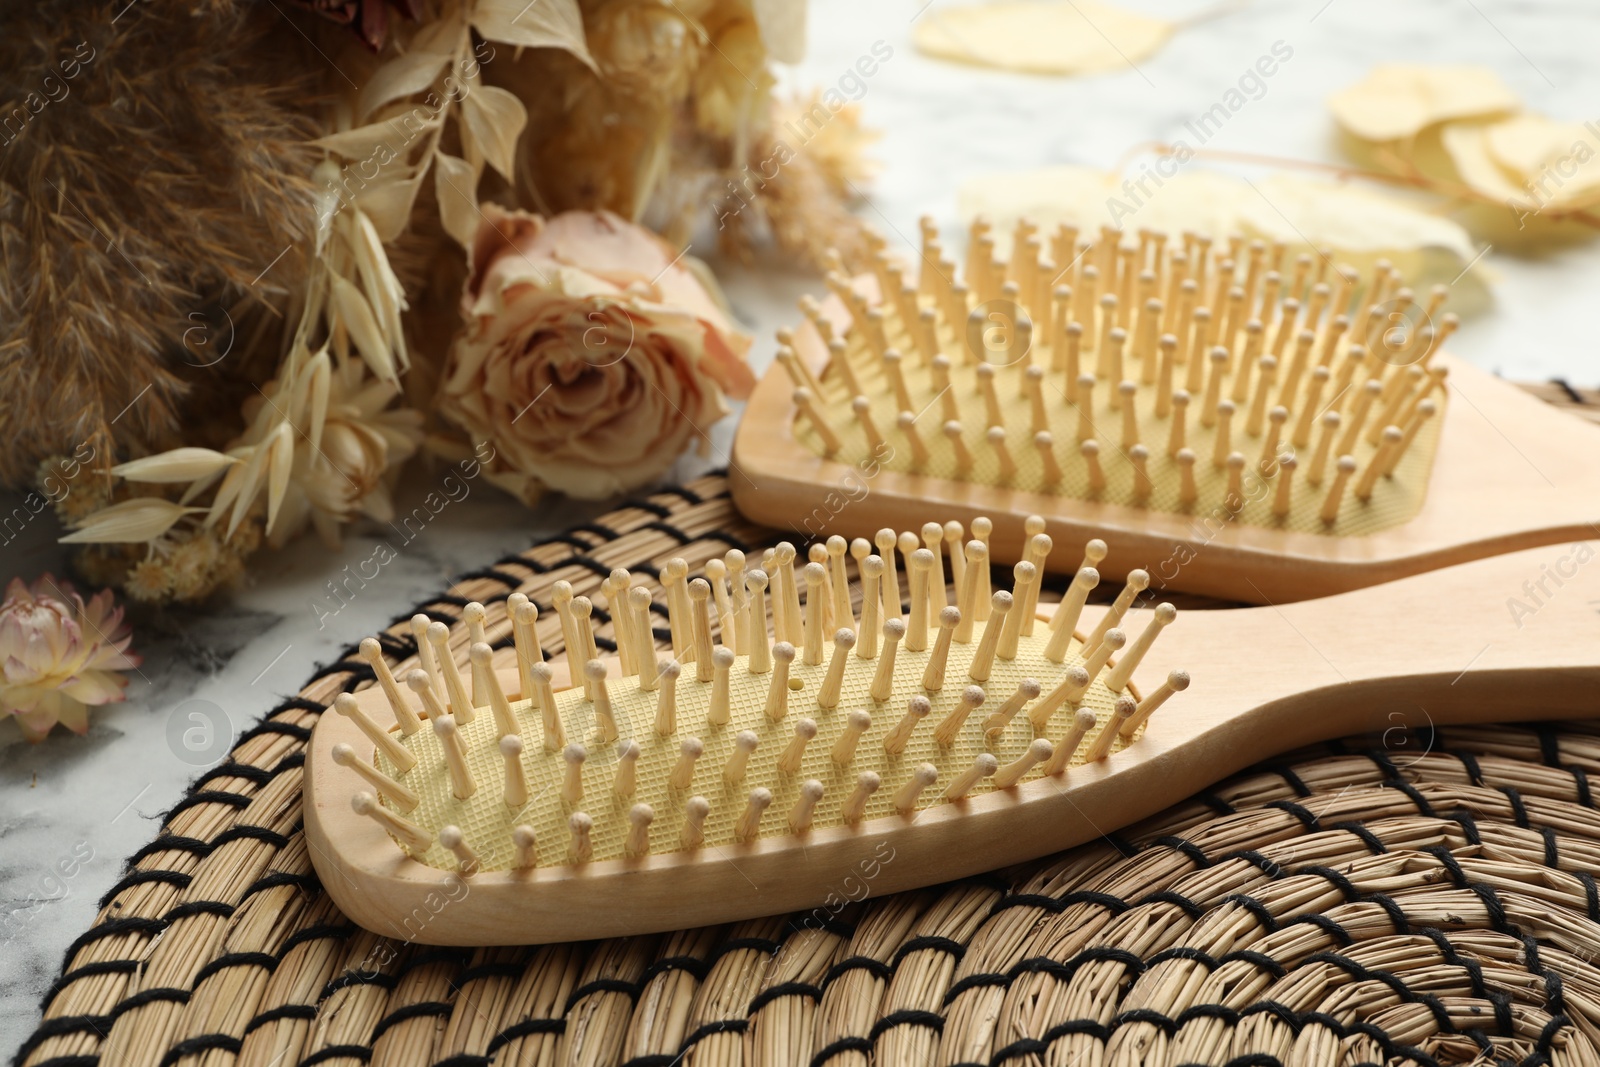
[(59, 655), (593, 355)]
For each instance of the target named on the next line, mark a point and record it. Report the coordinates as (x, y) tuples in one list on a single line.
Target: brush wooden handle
[(1434, 649)]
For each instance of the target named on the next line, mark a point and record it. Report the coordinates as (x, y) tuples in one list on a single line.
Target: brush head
[(813, 741), (1131, 373)]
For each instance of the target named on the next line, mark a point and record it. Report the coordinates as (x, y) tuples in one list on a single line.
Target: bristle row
[(1119, 358), (737, 634)]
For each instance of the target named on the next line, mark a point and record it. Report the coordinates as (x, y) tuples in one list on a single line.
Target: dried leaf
[(1359, 225), (356, 315), (534, 24), (249, 486), (1064, 37), (280, 466), (361, 143), (1468, 148), (178, 465), (1556, 161), (388, 204), (1400, 100), (456, 187), (321, 382), (133, 521), (496, 118), (401, 76)]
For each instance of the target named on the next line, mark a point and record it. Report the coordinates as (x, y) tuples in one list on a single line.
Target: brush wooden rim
[(1508, 473), (1260, 693)]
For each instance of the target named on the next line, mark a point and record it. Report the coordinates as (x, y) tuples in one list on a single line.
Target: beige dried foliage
[(1062, 37), (1398, 100), (1460, 132)]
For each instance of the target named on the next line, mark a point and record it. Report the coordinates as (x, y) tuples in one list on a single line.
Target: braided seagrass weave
[(1416, 898)]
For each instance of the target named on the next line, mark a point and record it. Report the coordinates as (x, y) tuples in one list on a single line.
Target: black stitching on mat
[(600, 985), (300, 733), (719, 1026), (686, 494), (510, 581), (171, 843), (159, 995), (435, 1008), (1414, 795), (1214, 802), (64, 1061), (1469, 762), (137, 877), (691, 965), (1552, 852), (1208, 1011), (354, 978), (274, 879), (844, 1044), (877, 968), (63, 1026), (229, 768), (316, 933), (487, 970), (447, 957), (236, 959), (1497, 910), (783, 989), (1591, 894), (198, 907), (1257, 959), (334, 1052), (1373, 842), (525, 1028), (1168, 896), (1294, 780), (926, 942), (88, 970), (515, 560), (907, 1017), (1326, 925), (764, 945), (1580, 779), (131, 924), (1469, 825), (1022, 1046), (1192, 852), (193, 1046), (1519, 812), (1299, 811), (301, 1012), (1144, 1015), (982, 980), (463, 1059)]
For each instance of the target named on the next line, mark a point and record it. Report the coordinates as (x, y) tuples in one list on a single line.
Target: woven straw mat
[(1416, 899)]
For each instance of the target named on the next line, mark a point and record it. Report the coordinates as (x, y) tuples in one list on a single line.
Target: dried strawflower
[(593, 356), (59, 655)]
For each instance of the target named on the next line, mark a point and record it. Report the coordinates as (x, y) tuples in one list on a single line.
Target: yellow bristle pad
[(487, 823), (1000, 337)]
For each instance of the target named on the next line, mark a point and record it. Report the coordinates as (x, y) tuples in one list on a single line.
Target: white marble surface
[(103, 794)]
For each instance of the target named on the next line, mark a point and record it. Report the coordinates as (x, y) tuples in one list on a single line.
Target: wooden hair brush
[(1238, 426), (901, 741)]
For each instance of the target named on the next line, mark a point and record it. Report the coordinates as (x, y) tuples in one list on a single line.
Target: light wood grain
[(1438, 648)]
